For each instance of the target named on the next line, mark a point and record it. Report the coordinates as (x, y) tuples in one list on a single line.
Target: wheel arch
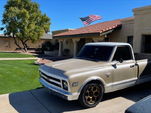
[(93, 80)]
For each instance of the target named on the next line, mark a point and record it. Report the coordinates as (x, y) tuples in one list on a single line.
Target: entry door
[(125, 70)]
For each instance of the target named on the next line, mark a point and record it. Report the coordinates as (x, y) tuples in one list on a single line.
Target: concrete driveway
[(41, 101)]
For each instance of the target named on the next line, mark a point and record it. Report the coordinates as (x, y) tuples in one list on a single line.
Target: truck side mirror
[(121, 60)]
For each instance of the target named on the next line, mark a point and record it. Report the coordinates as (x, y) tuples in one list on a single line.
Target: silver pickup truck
[(99, 68)]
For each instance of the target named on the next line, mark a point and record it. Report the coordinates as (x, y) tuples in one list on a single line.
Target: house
[(135, 30), (7, 43)]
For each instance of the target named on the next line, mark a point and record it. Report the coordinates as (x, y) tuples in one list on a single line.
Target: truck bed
[(144, 64), (142, 56)]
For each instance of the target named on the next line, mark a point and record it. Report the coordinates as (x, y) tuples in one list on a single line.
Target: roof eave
[(77, 35), (101, 33)]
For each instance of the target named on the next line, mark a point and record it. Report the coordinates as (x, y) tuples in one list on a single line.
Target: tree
[(24, 22)]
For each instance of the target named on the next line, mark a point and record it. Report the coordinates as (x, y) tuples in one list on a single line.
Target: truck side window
[(124, 53)]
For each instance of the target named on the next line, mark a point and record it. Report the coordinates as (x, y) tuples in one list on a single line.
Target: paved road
[(41, 101)]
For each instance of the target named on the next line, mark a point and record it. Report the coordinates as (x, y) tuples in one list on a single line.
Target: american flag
[(89, 19)]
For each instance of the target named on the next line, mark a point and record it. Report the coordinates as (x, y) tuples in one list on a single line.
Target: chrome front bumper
[(59, 92)]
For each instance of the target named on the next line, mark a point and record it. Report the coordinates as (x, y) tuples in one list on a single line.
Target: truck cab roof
[(108, 44)]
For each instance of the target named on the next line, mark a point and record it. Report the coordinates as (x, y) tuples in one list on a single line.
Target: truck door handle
[(131, 66)]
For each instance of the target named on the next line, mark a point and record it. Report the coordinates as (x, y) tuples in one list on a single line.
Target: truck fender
[(91, 79)]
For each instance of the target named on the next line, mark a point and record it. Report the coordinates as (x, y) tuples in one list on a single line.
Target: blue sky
[(66, 13)]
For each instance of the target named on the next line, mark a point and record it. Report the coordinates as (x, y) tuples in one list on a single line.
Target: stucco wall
[(142, 25), (68, 44), (126, 30), (137, 27), (7, 44)]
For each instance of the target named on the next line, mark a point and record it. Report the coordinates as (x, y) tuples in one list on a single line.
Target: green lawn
[(14, 55), (18, 76)]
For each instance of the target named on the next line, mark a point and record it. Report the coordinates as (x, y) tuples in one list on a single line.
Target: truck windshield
[(97, 53)]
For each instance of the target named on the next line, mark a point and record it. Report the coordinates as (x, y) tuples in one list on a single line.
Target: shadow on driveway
[(41, 101), (134, 93)]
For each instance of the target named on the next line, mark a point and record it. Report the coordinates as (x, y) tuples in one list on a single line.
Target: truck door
[(125, 70)]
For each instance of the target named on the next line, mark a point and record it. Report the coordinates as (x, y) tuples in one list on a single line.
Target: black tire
[(91, 95)]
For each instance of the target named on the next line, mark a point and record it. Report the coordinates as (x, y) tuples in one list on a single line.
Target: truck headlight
[(64, 85)]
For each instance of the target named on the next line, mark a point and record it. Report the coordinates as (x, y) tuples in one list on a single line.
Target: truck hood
[(74, 66)]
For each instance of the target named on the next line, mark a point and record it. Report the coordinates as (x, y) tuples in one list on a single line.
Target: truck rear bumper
[(59, 92)]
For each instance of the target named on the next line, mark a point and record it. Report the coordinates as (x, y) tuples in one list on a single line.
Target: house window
[(130, 40)]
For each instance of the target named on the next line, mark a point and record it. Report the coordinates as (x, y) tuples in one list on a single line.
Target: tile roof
[(96, 28)]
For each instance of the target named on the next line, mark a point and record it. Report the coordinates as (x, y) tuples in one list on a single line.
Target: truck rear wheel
[(91, 95)]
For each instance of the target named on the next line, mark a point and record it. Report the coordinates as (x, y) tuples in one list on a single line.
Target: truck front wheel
[(91, 95)]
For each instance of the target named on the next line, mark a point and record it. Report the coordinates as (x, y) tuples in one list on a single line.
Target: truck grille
[(51, 80)]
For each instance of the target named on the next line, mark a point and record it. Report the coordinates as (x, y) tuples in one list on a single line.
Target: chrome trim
[(48, 74), (65, 94), (60, 83), (112, 55), (122, 82), (43, 70)]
